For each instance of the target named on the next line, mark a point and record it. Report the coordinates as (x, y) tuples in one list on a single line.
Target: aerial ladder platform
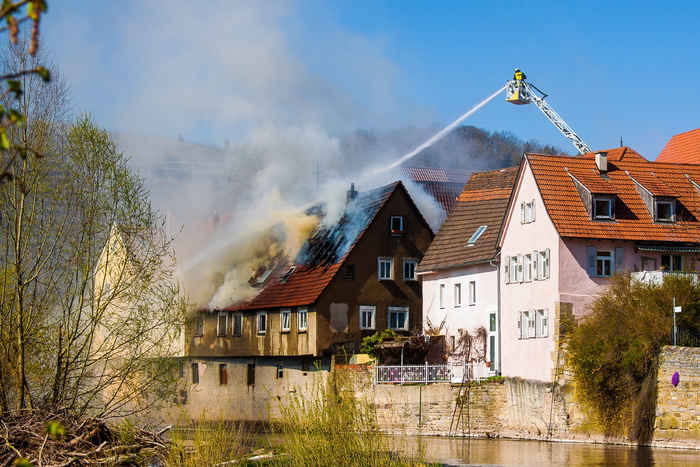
[(520, 92)]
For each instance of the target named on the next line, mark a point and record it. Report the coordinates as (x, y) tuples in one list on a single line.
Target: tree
[(614, 350), (14, 13), (90, 289)]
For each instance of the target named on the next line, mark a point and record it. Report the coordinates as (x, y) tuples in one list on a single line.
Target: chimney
[(601, 161), (351, 194)]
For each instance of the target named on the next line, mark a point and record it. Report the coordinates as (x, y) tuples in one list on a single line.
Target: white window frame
[(610, 203), (472, 293), (458, 295), (368, 314), (542, 324), (221, 323), (409, 269), (385, 269), (671, 209), (603, 258), (286, 320), (302, 319), (261, 319), (527, 212), (527, 268), (397, 225), (543, 264), (513, 268), (396, 311)]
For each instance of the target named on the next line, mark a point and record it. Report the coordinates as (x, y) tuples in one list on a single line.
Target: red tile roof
[(483, 201), (321, 258), (633, 221), (425, 174), (683, 148)]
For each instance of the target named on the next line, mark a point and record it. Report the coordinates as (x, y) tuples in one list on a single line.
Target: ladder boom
[(521, 92)]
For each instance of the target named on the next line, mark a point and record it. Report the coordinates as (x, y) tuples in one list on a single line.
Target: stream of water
[(441, 134)]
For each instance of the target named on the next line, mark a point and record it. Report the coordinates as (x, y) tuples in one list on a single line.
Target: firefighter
[(519, 75)]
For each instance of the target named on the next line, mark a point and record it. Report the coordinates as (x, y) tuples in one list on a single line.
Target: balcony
[(657, 277)]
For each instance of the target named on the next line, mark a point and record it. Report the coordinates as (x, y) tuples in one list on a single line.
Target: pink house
[(571, 223)]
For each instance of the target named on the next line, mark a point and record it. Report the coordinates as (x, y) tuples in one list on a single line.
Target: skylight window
[(476, 235)]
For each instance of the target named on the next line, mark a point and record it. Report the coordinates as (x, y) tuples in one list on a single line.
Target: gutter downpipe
[(498, 312)]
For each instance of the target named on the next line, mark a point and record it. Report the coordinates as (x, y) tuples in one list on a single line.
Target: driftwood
[(58, 439)]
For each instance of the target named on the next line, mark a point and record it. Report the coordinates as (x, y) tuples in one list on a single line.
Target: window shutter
[(535, 265), (592, 261), (545, 323), (520, 325), (522, 212), (546, 263), (519, 270), (506, 269), (619, 259), (532, 216)]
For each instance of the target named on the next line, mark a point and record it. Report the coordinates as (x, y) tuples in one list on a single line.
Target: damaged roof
[(443, 185), (300, 282), (483, 202)]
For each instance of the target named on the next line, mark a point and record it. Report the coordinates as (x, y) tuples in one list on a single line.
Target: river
[(508, 452)]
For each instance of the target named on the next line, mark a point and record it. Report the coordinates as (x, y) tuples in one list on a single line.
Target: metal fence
[(448, 373)]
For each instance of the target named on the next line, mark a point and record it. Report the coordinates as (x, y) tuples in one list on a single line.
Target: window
[(199, 326), (441, 295), (280, 370), (541, 323), (476, 235), (221, 324), (385, 269), (519, 269), (302, 316), (250, 374), (398, 318), (349, 272), (527, 268), (223, 374), (527, 212), (665, 211), (237, 324), (409, 269), (472, 292), (195, 373), (397, 225), (262, 322), (285, 320), (604, 263), (603, 208), (367, 316), (526, 324), (672, 262), (458, 294)]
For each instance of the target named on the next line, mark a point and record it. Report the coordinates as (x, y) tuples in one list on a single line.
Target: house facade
[(461, 270), (572, 223), (350, 280)]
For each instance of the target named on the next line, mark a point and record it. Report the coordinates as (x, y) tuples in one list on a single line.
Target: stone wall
[(678, 407)]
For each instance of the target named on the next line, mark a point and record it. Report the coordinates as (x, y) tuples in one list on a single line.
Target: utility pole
[(676, 309)]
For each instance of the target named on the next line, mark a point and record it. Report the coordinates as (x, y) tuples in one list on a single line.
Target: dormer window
[(397, 226), (603, 208), (664, 210)]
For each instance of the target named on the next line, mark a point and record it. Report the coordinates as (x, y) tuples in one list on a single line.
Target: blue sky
[(218, 69)]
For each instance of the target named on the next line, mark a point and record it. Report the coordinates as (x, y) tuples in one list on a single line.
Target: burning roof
[(299, 282)]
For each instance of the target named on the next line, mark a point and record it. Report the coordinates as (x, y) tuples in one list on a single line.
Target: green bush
[(614, 350)]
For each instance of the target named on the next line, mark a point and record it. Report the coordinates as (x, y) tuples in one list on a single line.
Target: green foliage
[(614, 351), (369, 343), (208, 443), (328, 426)]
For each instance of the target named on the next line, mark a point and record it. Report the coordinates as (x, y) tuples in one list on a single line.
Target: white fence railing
[(448, 373)]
